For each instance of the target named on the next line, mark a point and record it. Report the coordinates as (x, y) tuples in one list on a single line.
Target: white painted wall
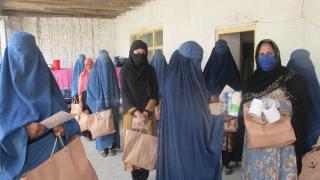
[(181, 20), (2, 37), (184, 20), (65, 38)]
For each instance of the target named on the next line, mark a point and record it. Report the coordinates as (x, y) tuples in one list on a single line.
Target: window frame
[(138, 34)]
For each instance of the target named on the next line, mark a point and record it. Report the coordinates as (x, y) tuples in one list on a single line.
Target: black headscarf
[(262, 83), (221, 69), (139, 82), (261, 79)]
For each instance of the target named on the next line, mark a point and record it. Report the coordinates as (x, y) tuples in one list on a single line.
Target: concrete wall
[(65, 38), (182, 20), (2, 37), (290, 23)]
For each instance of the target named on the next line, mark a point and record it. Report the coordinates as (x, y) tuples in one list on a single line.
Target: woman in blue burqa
[(190, 139), (221, 70), (301, 63), (78, 68), (28, 95), (103, 93), (160, 65)]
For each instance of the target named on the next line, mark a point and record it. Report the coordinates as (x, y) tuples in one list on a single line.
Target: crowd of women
[(192, 142)]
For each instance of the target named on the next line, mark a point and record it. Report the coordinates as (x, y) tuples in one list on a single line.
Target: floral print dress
[(271, 163)]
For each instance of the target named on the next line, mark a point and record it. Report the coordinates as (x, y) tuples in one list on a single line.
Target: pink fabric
[(63, 77), (118, 75), (83, 81)]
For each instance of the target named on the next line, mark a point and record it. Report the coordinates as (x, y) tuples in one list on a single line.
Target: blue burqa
[(221, 69), (28, 93), (190, 139), (103, 93), (160, 65), (77, 70), (301, 63)]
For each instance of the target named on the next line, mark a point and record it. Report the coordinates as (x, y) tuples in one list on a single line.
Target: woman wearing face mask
[(272, 80), (139, 91)]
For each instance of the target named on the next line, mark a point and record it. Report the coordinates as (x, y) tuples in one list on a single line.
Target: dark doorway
[(241, 45), (246, 54)]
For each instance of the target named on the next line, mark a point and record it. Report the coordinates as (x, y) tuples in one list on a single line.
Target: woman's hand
[(140, 118), (35, 130), (214, 99), (146, 115), (59, 130), (81, 104), (227, 117)]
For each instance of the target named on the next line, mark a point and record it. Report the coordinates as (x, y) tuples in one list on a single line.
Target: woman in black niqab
[(139, 92)]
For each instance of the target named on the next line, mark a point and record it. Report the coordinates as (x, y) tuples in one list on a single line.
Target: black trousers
[(140, 174), (226, 157)]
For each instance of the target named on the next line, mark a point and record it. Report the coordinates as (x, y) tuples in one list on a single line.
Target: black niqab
[(138, 79)]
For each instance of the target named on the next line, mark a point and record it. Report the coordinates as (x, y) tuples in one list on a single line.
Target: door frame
[(237, 29)]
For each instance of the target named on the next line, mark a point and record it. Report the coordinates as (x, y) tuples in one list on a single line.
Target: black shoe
[(140, 174), (104, 153), (112, 152), (228, 171), (89, 136)]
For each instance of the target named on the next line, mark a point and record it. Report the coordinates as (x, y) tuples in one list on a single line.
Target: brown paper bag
[(266, 135), (311, 164), (146, 126), (70, 163), (75, 108), (157, 112), (140, 149), (231, 125), (102, 123), (84, 120)]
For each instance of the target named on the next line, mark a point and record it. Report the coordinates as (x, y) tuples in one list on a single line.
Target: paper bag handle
[(55, 144)]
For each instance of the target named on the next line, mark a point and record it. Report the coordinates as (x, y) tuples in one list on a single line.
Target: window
[(153, 38)]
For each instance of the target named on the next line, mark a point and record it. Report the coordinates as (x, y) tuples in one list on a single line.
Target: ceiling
[(68, 8)]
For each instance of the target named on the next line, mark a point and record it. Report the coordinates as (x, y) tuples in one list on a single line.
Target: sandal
[(112, 152), (104, 153)]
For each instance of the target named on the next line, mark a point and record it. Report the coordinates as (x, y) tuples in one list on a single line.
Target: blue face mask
[(267, 62)]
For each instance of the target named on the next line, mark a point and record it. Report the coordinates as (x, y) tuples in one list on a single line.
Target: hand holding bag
[(157, 112), (230, 124), (102, 123), (140, 149), (75, 108), (84, 120), (311, 164), (70, 163), (262, 134)]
